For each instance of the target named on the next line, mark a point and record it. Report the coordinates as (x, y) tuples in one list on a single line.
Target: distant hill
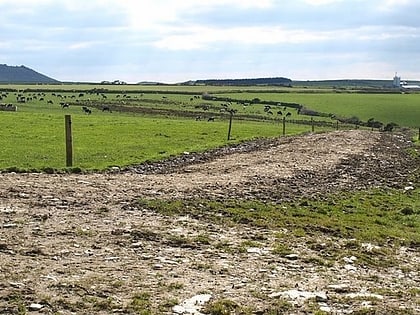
[(22, 74), (244, 82)]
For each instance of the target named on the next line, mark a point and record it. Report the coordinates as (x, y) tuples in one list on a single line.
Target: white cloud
[(196, 37), (82, 45), (203, 37), (148, 14), (321, 2)]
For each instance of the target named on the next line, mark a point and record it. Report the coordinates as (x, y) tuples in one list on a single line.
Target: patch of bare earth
[(75, 244)]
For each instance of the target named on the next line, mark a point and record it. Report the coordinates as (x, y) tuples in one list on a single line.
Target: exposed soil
[(76, 244)]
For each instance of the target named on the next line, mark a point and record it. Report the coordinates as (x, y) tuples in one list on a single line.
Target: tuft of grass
[(140, 303)]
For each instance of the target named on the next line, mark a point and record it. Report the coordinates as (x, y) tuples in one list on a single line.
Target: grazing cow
[(270, 112), (198, 118), (87, 111), (106, 109), (288, 114), (50, 102), (64, 105), (210, 119), (8, 107), (280, 113)]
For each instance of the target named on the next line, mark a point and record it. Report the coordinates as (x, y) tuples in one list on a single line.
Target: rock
[(339, 288), (325, 308), (321, 297), (297, 294), (350, 267), (369, 247), (35, 307), (292, 256), (157, 266), (9, 225), (350, 260), (256, 250), (193, 305)]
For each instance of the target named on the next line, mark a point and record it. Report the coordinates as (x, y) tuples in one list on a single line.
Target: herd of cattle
[(94, 100), (63, 100)]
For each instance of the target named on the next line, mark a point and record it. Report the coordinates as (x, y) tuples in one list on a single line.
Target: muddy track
[(289, 167)]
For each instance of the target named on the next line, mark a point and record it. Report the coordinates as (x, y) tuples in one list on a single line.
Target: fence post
[(312, 124), (230, 124), (337, 125), (69, 141), (284, 126)]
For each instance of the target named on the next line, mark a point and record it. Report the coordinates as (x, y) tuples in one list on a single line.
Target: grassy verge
[(375, 216)]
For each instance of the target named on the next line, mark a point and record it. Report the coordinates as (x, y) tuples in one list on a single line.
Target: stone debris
[(192, 305), (300, 295)]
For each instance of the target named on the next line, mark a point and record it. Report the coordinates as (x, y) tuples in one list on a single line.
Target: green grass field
[(403, 109), (154, 122), (32, 141)]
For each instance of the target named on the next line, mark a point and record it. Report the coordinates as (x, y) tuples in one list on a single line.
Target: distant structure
[(397, 81), (403, 85)]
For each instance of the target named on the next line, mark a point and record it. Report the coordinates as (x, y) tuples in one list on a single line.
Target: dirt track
[(67, 236)]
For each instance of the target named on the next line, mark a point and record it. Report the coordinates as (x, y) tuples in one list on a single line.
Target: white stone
[(35, 307), (326, 309), (350, 260), (193, 305), (255, 250), (350, 267), (292, 256), (297, 294)]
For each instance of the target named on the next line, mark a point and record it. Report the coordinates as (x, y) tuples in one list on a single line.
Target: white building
[(397, 81)]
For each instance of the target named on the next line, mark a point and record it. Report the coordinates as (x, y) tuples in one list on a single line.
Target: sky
[(179, 40)]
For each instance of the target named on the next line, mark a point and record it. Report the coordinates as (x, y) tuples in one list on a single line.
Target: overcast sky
[(180, 40)]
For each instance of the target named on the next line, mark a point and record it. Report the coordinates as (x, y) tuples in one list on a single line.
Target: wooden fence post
[(419, 133), (312, 124), (230, 124), (284, 126), (69, 141)]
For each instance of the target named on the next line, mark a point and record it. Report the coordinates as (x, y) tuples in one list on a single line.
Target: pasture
[(131, 124), (332, 215), (403, 109)]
